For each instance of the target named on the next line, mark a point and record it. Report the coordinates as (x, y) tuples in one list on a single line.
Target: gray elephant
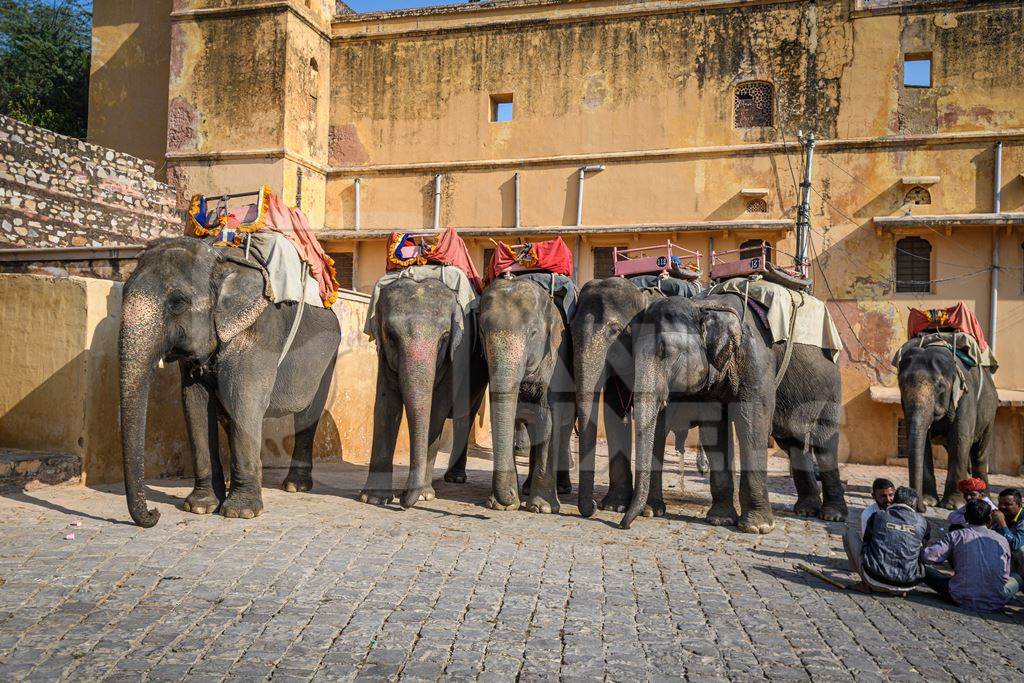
[(708, 351), (192, 303), (430, 364), (947, 403), (528, 352)]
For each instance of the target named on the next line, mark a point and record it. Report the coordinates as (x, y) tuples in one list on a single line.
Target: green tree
[(44, 63)]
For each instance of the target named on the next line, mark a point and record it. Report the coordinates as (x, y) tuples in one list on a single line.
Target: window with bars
[(752, 248), (603, 265), (913, 265), (753, 105), (343, 269), (918, 195)]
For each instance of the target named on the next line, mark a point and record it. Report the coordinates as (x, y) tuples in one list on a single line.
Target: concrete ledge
[(1008, 398)]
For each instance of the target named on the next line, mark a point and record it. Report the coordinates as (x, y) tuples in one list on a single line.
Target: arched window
[(753, 108), (918, 195), (913, 265), (752, 248)]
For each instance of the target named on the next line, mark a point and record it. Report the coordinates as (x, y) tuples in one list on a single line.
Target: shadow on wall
[(131, 66)]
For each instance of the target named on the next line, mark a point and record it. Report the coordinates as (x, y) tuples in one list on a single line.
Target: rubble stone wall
[(57, 191)]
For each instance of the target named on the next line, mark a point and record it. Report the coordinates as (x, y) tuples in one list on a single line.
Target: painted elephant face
[(418, 323), (926, 377)]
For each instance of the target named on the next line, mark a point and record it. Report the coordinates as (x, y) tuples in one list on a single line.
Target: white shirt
[(865, 516)]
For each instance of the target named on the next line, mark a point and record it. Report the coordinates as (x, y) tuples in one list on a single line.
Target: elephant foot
[(495, 504), (242, 506), (951, 502), (756, 523), (413, 496), (541, 505), (564, 485), (298, 480), (455, 476), (721, 515), (929, 500), (654, 508), (807, 507), (831, 512), (201, 502), (617, 501), (586, 507), (375, 497)]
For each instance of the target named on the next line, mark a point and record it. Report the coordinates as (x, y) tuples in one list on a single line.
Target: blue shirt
[(981, 560), (1013, 532)]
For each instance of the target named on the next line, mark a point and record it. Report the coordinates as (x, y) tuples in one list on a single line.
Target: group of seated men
[(984, 546)]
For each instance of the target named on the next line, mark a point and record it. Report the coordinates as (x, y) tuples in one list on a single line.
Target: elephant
[(190, 302), (709, 350), (927, 378), (603, 372), (528, 352), (429, 364)]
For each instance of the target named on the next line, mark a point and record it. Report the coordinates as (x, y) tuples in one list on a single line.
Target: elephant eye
[(177, 303)]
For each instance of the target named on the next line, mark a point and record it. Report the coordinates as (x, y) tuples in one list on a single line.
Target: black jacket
[(892, 546)]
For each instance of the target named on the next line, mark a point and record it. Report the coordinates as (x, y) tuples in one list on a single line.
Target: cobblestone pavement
[(322, 587)]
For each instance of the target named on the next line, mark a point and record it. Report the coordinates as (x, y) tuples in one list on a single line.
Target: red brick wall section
[(57, 191)]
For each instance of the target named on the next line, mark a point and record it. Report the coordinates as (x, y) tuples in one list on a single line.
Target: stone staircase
[(29, 470)]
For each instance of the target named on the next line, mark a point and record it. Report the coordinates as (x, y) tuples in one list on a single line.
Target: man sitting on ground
[(981, 561), (889, 559), (1008, 522), (972, 489), (882, 490)]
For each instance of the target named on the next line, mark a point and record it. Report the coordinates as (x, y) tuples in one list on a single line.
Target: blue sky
[(379, 5)]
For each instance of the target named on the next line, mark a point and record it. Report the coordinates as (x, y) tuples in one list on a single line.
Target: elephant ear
[(721, 333), (240, 302)]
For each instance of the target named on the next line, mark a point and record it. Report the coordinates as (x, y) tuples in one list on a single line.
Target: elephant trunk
[(140, 347), (416, 383), (504, 395), (919, 409), (590, 380), (646, 406)]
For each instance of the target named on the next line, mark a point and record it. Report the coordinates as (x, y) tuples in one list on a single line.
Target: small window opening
[(488, 253), (757, 206), (603, 265), (753, 107), (917, 71), (343, 268), (501, 108), (902, 449), (913, 265), (752, 248), (918, 195)]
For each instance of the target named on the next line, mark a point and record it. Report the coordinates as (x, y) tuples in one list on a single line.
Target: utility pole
[(803, 214)]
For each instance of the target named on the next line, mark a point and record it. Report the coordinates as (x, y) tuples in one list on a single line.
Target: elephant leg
[(826, 454), (958, 445), (752, 430), (808, 494), (300, 472), (525, 437), (717, 440), (461, 427), (543, 496), (656, 496), (245, 436), (437, 419), (201, 414), (979, 455), (619, 431), (387, 417)]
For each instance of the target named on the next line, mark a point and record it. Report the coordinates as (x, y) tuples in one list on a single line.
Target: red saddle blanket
[(550, 256), (958, 318), (446, 248)]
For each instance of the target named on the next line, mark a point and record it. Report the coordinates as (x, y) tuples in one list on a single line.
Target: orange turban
[(972, 484)]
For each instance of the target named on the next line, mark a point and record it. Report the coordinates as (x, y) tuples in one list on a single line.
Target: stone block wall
[(57, 191)]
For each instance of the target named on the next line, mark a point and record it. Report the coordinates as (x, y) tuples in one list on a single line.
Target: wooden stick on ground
[(818, 575)]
